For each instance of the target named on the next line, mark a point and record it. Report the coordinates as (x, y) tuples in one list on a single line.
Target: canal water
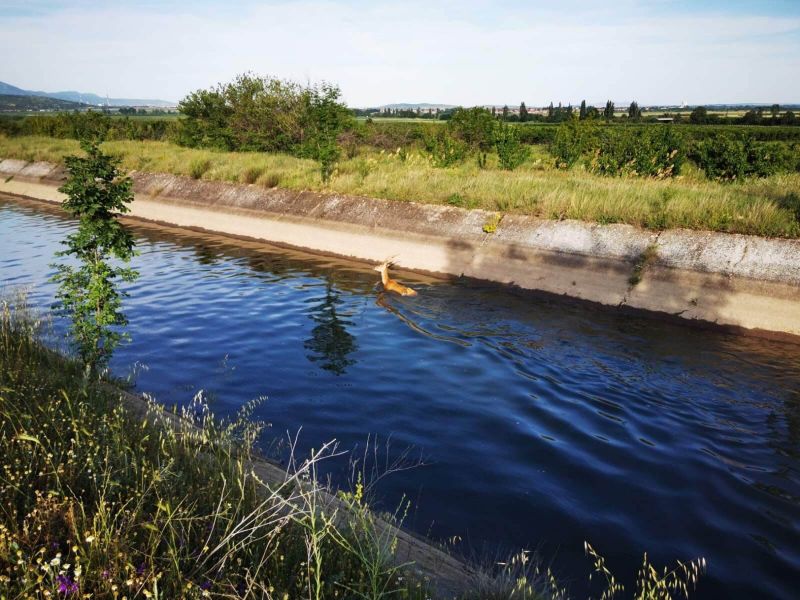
[(539, 423)]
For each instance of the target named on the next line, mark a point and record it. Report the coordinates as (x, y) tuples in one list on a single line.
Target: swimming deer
[(389, 284)]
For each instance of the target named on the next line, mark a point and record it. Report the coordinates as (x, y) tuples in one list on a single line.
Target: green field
[(768, 206)]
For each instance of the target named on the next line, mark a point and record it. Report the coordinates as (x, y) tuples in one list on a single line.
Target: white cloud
[(383, 52)]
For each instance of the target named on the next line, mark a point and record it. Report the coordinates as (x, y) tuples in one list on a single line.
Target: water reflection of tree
[(330, 343)]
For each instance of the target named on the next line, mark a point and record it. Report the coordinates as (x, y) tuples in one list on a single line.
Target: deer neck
[(385, 275)]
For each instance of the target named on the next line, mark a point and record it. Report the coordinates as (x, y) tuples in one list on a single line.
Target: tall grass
[(96, 501), (769, 207)]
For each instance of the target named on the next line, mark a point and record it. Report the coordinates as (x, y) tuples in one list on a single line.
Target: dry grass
[(767, 207)]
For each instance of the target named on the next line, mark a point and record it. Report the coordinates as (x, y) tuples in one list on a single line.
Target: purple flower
[(140, 569), (206, 585), (66, 585), (106, 574)]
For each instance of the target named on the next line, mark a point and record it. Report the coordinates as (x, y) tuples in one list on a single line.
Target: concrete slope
[(747, 283)]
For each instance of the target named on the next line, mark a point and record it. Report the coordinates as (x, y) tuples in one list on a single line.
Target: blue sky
[(467, 52)]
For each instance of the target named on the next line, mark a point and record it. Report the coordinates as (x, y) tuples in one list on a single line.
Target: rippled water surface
[(542, 423)]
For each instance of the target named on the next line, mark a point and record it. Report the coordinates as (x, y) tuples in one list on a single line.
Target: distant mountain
[(17, 102), (85, 98)]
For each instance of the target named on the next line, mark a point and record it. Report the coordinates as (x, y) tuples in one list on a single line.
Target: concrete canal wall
[(747, 283)]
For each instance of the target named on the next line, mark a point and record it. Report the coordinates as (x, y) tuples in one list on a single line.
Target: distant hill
[(82, 97), (415, 106), (16, 102)]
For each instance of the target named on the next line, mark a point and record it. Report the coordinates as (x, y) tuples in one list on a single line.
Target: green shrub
[(657, 152), (572, 139), (722, 158), (445, 150), (473, 126), (726, 159), (770, 158), (510, 151)]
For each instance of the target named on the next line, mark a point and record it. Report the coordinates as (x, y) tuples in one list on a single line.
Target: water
[(542, 424)]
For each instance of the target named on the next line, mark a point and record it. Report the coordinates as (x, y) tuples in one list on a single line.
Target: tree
[(474, 126), (775, 110), (582, 113), (505, 113), (608, 112), (327, 118), (97, 191), (550, 111), (523, 113), (699, 116), (510, 151), (634, 112)]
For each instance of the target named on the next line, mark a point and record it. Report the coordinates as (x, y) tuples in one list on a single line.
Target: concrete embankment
[(746, 283)]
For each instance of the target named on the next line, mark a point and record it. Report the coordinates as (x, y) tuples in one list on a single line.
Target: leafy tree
[(775, 110), (474, 126), (634, 112), (505, 113), (327, 118), (722, 158), (699, 116), (207, 120), (550, 111), (510, 151), (657, 151), (97, 191), (523, 112), (582, 113), (572, 139), (445, 150), (592, 113), (608, 112)]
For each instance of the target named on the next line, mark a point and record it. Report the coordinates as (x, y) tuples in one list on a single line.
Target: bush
[(473, 126), (726, 159), (770, 158), (572, 139), (510, 150), (445, 150), (657, 151)]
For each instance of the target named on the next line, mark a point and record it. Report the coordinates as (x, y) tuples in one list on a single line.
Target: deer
[(389, 284)]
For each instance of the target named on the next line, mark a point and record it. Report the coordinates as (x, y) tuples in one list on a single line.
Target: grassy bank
[(98, 502), (769, 207)]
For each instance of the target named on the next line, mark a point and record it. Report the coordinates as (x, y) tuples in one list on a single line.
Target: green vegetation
[(88, 293), (766, 206), (265, 114), (97, 500), (104, 501), (567, 164)]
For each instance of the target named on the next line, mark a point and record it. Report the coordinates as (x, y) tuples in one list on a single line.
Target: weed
[(491, 224), (199, 167), (645, 259), (272, 180), (251, 174)]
